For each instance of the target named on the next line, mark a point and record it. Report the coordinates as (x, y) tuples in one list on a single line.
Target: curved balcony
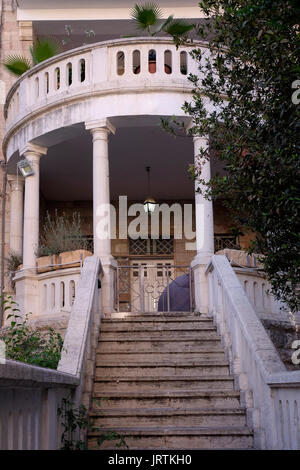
[(136, 76)]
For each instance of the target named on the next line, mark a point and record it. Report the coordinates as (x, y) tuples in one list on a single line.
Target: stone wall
[(15, 38)]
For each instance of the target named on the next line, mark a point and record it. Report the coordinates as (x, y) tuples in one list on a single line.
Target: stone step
[(213, 399), (173, 437), (157, 345), (137, 357), (147, 320), (147, 327), (156, 316), (161, 369), (168, 417), (141, 383), (164, 335)]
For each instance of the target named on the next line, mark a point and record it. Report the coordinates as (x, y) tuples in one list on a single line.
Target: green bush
[(26, 344)]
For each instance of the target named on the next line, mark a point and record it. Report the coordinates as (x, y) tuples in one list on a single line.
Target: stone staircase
[(162, 381)]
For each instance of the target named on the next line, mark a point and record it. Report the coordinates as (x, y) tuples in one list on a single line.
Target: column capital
[(201, 138), (33, 150), (100, 124), (16, 182)]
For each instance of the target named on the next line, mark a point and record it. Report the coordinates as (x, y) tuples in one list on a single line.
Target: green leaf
[(17, 64), (178, 28), (146, 15), (44, 49)]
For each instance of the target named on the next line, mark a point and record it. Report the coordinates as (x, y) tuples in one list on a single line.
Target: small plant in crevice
[(13, 261), (75, 422), (197, 313), (26, 344)]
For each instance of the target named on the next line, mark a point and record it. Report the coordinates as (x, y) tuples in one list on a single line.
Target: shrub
[(61, 233), (26, 344)]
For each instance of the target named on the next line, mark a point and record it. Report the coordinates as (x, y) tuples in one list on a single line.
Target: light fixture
[(149, 203), (25, 168)]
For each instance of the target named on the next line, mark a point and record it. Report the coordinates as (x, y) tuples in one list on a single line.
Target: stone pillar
[(27, 292), (33, 153), (16, 214), (100, 131), (204, 231)]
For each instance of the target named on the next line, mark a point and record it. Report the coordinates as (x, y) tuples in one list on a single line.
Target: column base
[(27, 292), (198, 266), (108, 284)]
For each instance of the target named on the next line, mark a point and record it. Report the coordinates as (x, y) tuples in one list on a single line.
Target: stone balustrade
[(270, 392), (116, 67)]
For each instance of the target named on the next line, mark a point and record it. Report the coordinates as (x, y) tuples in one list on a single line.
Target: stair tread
[(178, 430), (148, 339), (133, 319), (171, 393), (166, 363), (161, 378), (197, 351), (165, 411), (155, 330)]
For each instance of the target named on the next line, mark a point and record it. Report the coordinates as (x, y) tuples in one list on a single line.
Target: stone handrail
[(270, 392), (82, 333), (30, 396), (29, 400)]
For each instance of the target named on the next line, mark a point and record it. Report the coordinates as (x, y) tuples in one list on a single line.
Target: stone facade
[(15, 38)]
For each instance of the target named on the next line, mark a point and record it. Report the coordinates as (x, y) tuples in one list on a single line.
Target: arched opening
[(120, 63)]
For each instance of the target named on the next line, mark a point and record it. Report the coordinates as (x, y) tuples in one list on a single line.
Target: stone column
[(16, 214), (32, 153), (204, 230), (27, 292), (100, 131)]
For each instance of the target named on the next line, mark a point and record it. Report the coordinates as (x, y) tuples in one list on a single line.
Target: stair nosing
[(146, 412), (168, 393), (164, 364), (176, 430), (165, 378)]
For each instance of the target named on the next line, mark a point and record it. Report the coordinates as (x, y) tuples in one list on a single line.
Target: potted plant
[(148, 17)]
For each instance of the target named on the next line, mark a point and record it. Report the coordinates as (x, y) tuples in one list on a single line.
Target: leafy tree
[(253, 124)]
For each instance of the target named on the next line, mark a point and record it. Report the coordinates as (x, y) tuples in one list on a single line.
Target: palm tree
[(149, 17), (41, 50)]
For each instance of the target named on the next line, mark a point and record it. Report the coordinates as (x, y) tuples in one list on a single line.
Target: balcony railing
[(119, 64)]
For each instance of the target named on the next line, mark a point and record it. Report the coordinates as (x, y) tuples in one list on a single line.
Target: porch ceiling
[(66, 171)]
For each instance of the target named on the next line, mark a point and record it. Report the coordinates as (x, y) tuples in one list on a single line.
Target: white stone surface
[(33, 154), (16, 214), (33, 112), (204, 230)]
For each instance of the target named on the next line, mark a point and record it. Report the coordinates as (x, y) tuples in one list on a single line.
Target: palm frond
[(17, 64), (44, 49), (146, 15), (178, 28), (164, 25)]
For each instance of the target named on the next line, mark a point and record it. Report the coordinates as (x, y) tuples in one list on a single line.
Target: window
[(151, 247)]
